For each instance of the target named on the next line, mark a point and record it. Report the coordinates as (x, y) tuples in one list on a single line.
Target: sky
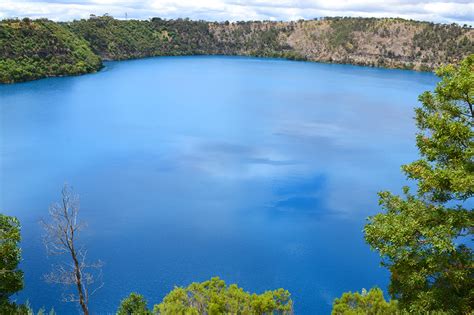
[(443, 11)]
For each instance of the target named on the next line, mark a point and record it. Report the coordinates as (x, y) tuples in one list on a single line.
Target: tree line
[(33, 49)]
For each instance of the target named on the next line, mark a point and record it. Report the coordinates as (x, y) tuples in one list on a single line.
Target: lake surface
[(259, 171)]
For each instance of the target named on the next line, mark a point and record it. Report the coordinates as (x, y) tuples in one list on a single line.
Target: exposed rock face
[(393, 43), (32, 49)]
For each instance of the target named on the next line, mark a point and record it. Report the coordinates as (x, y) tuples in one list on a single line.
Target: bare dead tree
[(61, 238)]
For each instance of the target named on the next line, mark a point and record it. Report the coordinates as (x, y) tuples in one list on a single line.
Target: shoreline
[(35, 49)]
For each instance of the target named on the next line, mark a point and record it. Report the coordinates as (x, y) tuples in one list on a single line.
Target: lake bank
[(33, 49)]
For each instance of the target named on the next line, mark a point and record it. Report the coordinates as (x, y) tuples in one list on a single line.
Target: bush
[(134, 304), (366, 302)]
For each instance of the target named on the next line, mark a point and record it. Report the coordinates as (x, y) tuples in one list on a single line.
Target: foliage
[(215, 297), (451, 42), (41, 311), (11, 278), (344, 28), (134, 304), (26, 309), (423, 237), (366, 302), (125, 39), (330, 39), (33, 49)]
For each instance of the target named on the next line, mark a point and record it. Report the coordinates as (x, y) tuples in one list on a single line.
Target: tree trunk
[(77, 271)]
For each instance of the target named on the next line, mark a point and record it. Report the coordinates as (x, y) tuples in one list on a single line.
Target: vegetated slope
[(391, 43), (115, 39), (33, 49)]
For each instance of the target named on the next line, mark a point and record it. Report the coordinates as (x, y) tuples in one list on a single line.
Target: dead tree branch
[(61, 238)]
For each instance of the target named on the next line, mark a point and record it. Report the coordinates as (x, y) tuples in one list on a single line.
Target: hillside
[(115, 39), (392, 43), (36, 49)]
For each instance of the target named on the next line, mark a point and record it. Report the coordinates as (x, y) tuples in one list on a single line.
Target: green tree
[(215, 297), (366, 302), (423, 237), (134, 304), (11, 278)]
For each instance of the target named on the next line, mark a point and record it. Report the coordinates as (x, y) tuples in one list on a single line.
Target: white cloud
[(446, 11)]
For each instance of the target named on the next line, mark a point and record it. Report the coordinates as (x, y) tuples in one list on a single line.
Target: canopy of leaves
[(134, 304), (125, 39), (366, 302), (423, 238), (33, 49), (212, 297), (11, 278)]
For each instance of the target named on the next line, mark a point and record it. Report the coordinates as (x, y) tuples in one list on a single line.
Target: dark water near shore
[(259, 171)]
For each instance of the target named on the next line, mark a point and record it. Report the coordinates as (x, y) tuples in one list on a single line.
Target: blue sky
[(446, 11)]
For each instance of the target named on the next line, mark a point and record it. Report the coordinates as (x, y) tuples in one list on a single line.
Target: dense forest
[(32, 49)]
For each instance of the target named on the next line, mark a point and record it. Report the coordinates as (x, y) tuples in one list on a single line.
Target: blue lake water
[(259, 171)]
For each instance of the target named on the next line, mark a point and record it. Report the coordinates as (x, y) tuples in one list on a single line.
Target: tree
[(61, 237), (366, 302), (423, 237), (11, 278), (134, 304), (215, 297)]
